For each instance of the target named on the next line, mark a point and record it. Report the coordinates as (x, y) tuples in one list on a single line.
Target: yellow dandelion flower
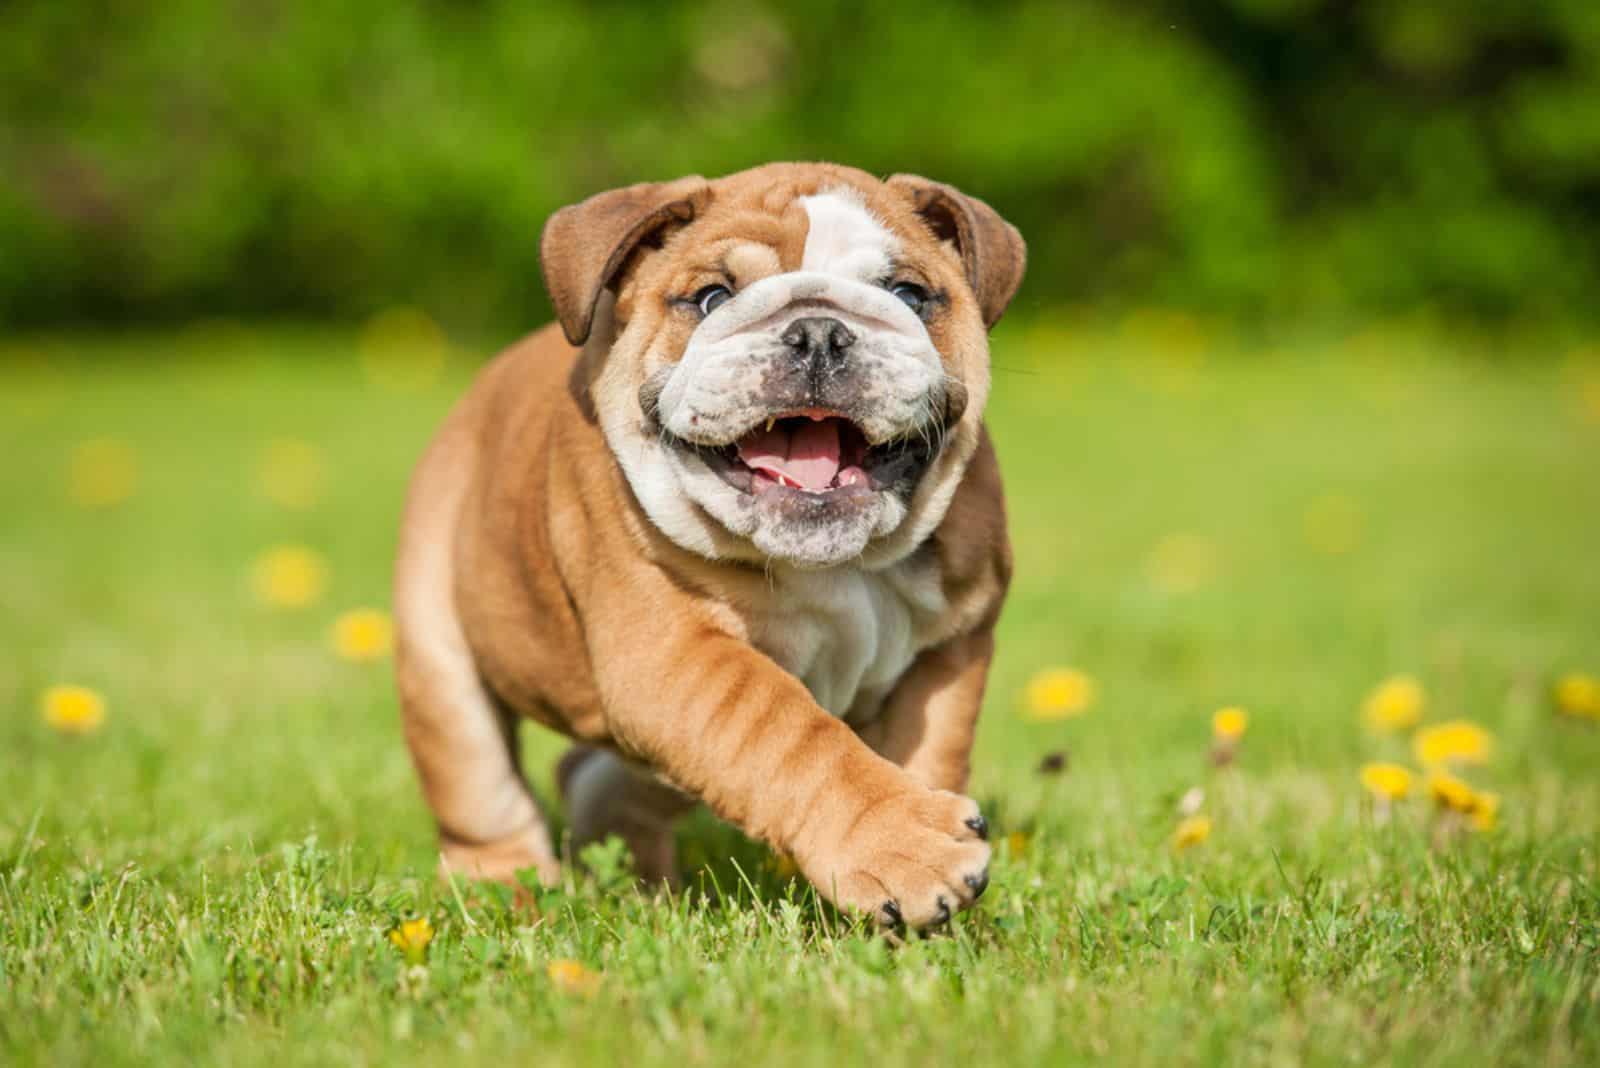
[(289, 576), (1578, 694), (1017, 843), (571, 977), (1182, 563), (1333, 524), (103, 472), (1485, 812), (403, 349), (1229, 724), (412, 937), (1191, 831), (1059, 693), (362, 635), (1391, 782), (73, 709), (291, 473), (1454, 742), (1449, 792), (1395, 705), (783, 866)]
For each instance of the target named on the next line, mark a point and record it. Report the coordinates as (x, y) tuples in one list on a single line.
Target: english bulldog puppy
[(736, 528)]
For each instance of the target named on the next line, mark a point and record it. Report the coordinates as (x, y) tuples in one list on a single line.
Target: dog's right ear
[(991, 250), (586, 245)]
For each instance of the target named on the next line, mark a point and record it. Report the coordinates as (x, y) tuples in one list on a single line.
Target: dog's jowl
[(734, 526)]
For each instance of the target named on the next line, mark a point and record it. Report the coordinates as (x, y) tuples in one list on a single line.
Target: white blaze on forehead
[(845, 239)]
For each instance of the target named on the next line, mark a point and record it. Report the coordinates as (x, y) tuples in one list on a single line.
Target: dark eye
[(915, 296), (711, 298)]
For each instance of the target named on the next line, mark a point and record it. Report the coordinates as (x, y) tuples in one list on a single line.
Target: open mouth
[(816, 452)]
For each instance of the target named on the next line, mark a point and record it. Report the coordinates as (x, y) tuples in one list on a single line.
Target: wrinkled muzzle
[(803, 413), (806, 343)]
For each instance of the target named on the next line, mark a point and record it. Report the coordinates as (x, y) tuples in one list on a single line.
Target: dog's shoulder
[(972, 546)]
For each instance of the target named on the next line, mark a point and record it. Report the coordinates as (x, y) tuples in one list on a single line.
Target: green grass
[(211, 876)]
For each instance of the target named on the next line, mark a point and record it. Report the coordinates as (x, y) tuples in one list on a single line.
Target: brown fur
[(530, 583)]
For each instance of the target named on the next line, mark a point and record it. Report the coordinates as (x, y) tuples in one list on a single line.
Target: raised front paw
[(914, 858)]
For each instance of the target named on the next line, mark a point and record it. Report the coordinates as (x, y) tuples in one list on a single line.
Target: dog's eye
[(711, 298), (914, 296)]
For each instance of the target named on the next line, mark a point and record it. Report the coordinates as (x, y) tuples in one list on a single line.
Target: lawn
[(1199, 522)]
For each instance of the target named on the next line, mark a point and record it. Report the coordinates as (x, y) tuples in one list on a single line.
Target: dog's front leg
[(927, 724), (724, 722)]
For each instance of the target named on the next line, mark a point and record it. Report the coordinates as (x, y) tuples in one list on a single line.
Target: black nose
[(818, 339)]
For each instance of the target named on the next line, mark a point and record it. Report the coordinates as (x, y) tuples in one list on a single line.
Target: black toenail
[(980, 826), (891, 910), (943, 915), (977, 883)]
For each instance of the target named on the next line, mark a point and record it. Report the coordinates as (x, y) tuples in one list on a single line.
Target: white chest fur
[(850, 634)]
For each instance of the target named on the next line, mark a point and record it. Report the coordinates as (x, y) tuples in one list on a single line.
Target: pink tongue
[(808, 457)]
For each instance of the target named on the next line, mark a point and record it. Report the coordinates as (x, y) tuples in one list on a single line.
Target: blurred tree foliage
[(250, 157)]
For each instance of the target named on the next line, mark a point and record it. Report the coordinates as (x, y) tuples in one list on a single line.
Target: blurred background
[(1258, 159)]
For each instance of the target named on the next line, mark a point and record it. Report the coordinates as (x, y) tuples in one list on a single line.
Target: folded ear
[(585, 246), (991, 249)]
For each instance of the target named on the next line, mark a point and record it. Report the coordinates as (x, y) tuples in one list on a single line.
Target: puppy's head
[(791, 362)]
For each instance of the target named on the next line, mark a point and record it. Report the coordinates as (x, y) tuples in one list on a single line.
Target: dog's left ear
[(585, 245), (993, 252)]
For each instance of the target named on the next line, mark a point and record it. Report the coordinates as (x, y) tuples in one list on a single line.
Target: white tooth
[(770, 421)]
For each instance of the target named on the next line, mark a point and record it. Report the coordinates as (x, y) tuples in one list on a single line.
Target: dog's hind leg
[(464, 745), (605, 795)]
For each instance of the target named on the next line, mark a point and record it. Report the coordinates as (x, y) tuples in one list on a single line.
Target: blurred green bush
[(1258, 157)]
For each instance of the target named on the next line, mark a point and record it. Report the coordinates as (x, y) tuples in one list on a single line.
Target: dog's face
[(795, 361)]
